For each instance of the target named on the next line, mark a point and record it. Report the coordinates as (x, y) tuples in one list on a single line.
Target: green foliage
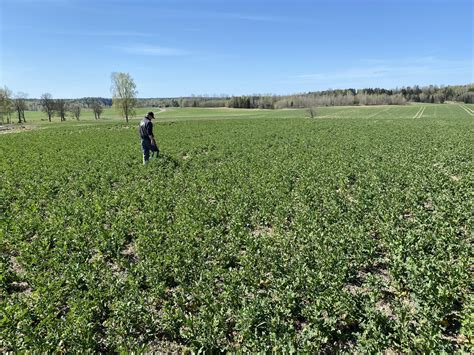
[(264, 232), (6, 105), (124, 94)]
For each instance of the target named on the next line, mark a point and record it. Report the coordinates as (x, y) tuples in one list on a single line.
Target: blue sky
[(182, 47)]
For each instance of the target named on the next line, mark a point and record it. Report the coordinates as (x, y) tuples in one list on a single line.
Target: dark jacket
[(145, 129)]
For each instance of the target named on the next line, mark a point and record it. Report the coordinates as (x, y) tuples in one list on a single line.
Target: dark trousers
[(146, 147)]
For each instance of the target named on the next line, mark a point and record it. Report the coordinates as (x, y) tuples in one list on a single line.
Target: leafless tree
[(47, 104), (19, 103), (97, 108), (311, 112), (5, 104), (76, 111), (61, 107)]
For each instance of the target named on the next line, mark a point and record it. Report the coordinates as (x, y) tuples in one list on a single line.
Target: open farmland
[(255, 230)]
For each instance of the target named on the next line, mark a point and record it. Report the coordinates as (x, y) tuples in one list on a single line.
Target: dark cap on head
[(150, 114)]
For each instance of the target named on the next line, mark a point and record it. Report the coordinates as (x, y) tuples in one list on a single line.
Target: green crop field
[(255, 230)]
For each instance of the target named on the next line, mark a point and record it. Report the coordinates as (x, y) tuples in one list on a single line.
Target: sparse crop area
[(255, 230)]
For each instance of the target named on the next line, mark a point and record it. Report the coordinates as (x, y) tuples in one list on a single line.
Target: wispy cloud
[(76, 32), (151, 50), (373, 71), (41, 2), (251, 17), (105, 33), (222, 15)]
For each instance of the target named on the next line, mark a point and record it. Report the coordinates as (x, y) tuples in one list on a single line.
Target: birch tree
[(124, 94)]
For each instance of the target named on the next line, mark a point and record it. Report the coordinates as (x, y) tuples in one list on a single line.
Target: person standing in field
[(147, 137)]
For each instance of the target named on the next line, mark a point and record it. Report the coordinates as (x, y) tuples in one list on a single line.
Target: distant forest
[(340, 97)]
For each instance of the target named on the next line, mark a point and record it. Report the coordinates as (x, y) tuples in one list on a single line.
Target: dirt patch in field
[(14, 129), (130, 252), (16, 267), (262, 230), (385, 308), (21, 286), (167, 347)]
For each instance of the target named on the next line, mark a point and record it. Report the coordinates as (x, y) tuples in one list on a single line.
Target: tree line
[(125, 101), (62, 107), (11, 105), (14, 106), (340, 97)]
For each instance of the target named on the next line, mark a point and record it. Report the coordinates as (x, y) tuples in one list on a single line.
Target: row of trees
[(367, 96), (124, 99), (17, 104), (12, 104), (61, 107), (305, 101), (84, 103)]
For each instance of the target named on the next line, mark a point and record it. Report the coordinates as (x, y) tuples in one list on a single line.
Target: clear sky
[(182, 47)]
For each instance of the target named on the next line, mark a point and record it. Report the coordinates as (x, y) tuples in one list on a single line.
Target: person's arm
[(150, 133)]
